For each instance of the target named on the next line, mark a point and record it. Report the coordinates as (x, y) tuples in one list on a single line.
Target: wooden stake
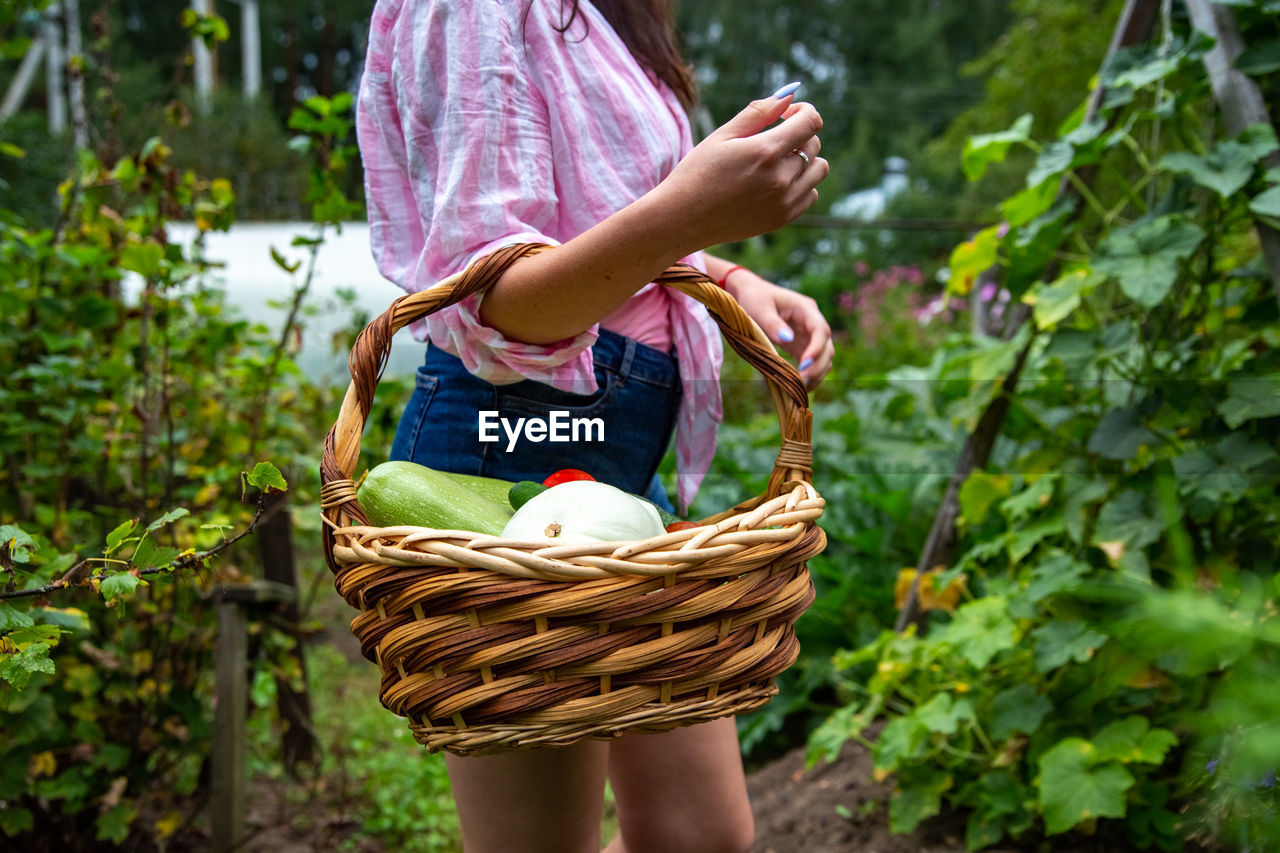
[(1240, 100), (1133, 27), (232, 687)]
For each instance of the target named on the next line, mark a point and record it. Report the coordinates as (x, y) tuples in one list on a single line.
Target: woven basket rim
[(783, 519), (345, 519)]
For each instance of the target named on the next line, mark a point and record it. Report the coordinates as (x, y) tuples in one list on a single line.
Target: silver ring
[(803, 156)]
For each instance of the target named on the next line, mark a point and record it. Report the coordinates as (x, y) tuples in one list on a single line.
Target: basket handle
[(373, 346)]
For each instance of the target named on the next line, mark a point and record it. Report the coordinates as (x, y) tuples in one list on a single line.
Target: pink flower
[(931, 308), (988, 292), (860, 267), (845, 301)]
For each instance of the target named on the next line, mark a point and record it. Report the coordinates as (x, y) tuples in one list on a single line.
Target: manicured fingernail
[(786, 335), (788, 89), (805, 363)]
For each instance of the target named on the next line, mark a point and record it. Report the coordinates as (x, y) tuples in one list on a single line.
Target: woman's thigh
[(529, 802), (682, 790)]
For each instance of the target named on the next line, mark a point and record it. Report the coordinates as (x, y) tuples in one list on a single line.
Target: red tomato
[(681, 525), (566, 475)]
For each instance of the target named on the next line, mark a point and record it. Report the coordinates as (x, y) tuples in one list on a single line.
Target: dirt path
[(795, 809), (803, 810)]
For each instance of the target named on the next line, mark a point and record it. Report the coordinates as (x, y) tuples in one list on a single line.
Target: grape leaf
[(982, 629), (1267, 203), (18, 667), (1058, 642), (1249, 398), (1074, 788), (1133, 740), (942, 713), (1018, 709), (911, 803), (267, 477), (168, 518), (1144, 257), (119, 585), (982, 151)]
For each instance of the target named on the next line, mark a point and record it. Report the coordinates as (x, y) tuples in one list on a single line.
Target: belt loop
[(628, 355)]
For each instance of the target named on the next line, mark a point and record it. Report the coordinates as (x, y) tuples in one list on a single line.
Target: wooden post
[(79, 116), (231, 679), (55, 61), (21, 82), (275, 544), (202, 69), (232, 690), (1133, 27), (250, 48), (1240, 100)]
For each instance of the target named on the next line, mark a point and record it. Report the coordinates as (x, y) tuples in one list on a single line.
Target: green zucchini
[(405, 493), (494, 490)]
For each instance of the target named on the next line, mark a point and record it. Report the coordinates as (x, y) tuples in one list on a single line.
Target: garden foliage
[(134, 410), (1108, 667), (1100, 652)]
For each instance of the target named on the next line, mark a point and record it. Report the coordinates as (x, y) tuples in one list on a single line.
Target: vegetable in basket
[(584, 511), (406, 493)]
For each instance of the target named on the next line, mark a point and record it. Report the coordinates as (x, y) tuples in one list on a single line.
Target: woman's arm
[(742, 180)]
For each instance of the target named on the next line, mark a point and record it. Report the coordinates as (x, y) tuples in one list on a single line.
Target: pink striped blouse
[(481, 126)]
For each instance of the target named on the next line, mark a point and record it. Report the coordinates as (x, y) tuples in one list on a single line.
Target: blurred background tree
[(888, 77)]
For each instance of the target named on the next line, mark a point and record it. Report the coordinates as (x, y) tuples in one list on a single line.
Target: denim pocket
[(405, 444), (538, 399)]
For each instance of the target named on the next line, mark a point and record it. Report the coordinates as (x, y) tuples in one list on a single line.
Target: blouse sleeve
[(478, 156)]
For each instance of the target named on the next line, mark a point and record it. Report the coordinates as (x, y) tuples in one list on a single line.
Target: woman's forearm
[(552, 296), (740, 181)]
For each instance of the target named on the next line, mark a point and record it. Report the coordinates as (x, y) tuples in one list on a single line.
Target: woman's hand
[(791, 320), (747, 178)]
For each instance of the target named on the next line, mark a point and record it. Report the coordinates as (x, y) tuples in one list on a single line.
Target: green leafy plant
[(371, 768), (134, 412), (1121, 610)]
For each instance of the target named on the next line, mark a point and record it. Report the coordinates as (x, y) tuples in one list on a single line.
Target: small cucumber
[(405, 493), (522, 491)]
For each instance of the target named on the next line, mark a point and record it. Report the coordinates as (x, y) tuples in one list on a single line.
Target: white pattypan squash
[(584, 511)]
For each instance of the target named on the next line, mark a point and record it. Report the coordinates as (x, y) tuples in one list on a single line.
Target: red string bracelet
[(733, 269)]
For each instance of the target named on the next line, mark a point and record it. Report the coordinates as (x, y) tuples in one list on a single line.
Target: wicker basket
[(488, 644)]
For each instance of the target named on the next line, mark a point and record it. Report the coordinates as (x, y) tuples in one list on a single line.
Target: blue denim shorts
[(622, 430)]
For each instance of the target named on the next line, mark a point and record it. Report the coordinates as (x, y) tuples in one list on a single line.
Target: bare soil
[(833, 808), (840, 808), (805, 810)]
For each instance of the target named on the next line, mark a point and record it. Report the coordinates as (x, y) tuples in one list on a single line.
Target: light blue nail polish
[(786, 335), (786, 90), (805, 363)]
